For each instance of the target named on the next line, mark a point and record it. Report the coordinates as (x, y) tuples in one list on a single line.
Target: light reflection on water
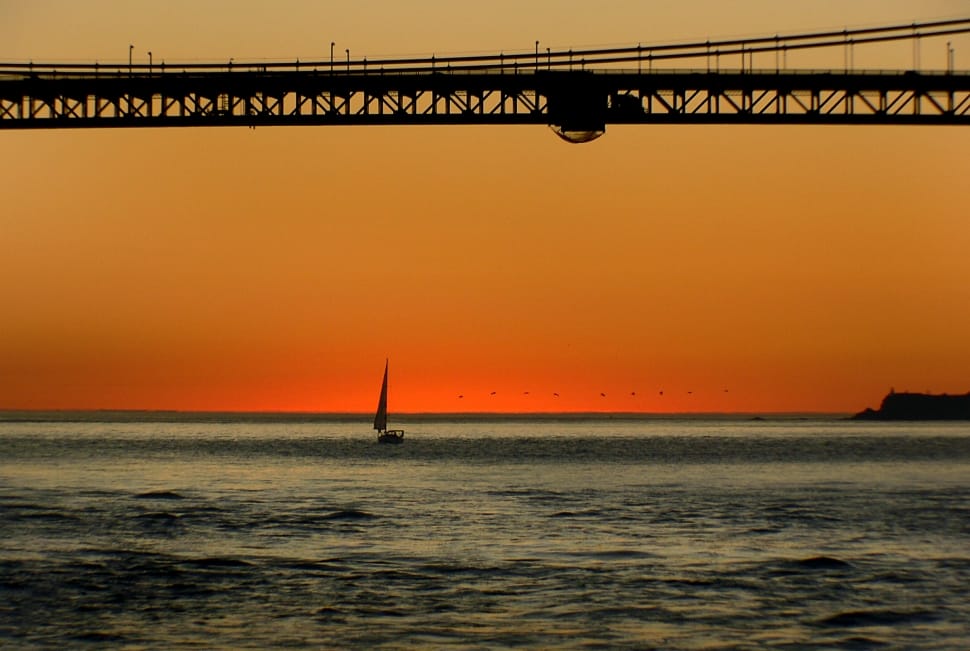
[(669, 533)]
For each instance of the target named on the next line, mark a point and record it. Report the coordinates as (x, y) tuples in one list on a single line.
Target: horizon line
[(412, 414)]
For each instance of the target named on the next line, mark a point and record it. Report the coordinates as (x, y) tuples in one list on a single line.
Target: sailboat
[(385, 435)]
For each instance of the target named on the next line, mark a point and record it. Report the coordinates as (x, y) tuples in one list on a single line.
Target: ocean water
[(231, 532)]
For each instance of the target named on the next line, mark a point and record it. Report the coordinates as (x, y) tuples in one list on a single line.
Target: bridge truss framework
[(575, 92), (576, 100)]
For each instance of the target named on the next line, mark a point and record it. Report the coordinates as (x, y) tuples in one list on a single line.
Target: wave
[(159, 495), (159, 516), (782, 568), (612, 554), (349, 514), (216, 562), (98, 637), (822, 563), (585, 513), (859, 642), (861, 618), (40, 515)]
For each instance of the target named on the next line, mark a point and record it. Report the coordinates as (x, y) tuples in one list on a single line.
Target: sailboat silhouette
[(385, 435)]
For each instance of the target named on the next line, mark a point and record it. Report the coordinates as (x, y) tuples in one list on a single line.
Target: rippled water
[(539, 533)]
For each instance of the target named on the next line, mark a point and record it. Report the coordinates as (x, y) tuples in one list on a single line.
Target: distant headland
[(919, 406)]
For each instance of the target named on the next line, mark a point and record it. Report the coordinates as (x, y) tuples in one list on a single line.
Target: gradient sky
[(733, 268)]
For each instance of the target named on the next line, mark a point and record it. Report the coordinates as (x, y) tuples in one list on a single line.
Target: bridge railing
[(14, 74)]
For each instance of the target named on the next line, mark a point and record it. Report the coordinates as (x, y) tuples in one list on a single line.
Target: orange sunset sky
[(734, 268)]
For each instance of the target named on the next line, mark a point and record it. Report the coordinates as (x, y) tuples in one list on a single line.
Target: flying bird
[(555, 395), (602, 395)]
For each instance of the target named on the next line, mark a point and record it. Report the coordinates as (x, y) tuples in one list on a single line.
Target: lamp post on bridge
[(331, 56), (348, 60), (915, 48), (130, 49), (149, 63)]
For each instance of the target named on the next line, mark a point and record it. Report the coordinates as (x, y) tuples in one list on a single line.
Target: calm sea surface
[(234, 532)]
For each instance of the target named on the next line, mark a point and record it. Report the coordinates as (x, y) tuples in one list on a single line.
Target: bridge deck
[(572, 100)]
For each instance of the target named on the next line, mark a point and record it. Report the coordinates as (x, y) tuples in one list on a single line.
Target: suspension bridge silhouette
[(576, 92)]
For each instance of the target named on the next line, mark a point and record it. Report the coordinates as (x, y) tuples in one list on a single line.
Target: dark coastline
[(919, 406)]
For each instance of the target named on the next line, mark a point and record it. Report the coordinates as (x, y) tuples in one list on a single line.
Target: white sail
[(380, 418)]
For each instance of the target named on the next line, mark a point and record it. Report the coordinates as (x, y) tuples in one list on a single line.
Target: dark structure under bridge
[(576, 92)]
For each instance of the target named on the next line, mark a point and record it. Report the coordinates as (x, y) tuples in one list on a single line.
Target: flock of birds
[(602, 394)]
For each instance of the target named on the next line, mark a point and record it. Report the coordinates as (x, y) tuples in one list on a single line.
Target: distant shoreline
[(919, 406)]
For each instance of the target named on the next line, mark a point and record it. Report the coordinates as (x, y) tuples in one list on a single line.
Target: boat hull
[(391, 436)]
